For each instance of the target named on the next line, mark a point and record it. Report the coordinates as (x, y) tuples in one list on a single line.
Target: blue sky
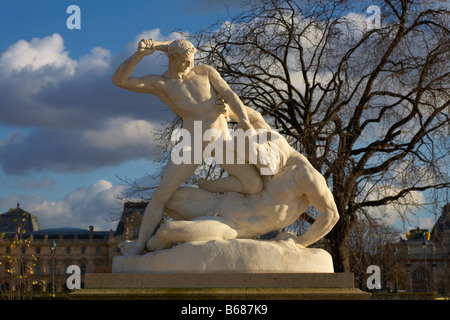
[(66, 131)]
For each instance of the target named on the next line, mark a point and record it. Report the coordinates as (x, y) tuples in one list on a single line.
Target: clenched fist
[(146, 46)]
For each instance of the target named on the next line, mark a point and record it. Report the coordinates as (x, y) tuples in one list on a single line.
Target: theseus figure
[(191, 93)]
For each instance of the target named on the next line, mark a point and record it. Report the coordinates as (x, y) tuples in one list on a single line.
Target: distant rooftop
[(129, 208), (15, 217), (442, 224), (11, 220), (63, 231), (69, 233)]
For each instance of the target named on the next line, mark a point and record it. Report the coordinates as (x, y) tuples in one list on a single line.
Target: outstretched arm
[(320, 196), (148, 84)]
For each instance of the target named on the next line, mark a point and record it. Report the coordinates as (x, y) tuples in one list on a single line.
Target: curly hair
[(181, 48)]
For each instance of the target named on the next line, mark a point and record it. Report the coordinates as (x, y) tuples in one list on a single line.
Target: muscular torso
[(193, 99), (277, 207)]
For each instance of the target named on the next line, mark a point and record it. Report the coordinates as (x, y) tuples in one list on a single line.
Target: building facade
[(424, 258), (26, 250)]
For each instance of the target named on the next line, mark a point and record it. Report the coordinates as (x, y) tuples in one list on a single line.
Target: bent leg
[(200, 229), (173, 176), (243, 178), (184, 203)]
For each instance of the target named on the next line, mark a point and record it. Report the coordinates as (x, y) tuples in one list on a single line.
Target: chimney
[(91, 232)]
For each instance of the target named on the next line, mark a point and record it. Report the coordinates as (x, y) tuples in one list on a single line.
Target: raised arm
[(231, 98), (147, 84)]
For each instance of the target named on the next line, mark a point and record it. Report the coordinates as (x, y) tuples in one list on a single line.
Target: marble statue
[(228, 215), (224, 213), (191, 93)]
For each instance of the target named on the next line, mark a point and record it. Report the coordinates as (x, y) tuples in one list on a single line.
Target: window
[(419, 278), (67, 250), (83, 268), (83, 250), (37, 268), (38, 249), (98, 250)]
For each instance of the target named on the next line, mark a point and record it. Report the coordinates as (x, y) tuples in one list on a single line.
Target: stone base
[(222, 294), (238, 269), (236, 255), (217, 280), (220, 286)]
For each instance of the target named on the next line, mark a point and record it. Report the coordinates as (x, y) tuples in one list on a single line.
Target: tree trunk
[(338, 237), (339, 246)]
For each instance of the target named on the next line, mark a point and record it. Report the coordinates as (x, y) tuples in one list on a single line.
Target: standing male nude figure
[(191, 92)]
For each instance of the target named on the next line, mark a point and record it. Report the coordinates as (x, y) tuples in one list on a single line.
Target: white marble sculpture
[(244, 205), (202, 215), (191, 92)]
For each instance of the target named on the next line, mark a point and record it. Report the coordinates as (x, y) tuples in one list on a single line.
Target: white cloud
[(43, 87), (116, 141), (50, 52), (98, 59), (36, 54), (391, 213), (86, 206), (426, 223), (119, 133), (79, 120)]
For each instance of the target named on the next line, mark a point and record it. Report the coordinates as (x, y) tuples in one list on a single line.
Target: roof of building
[(62, 231), (11, 220), (69, 233), (128, 209), (442, 224), (15, 217)]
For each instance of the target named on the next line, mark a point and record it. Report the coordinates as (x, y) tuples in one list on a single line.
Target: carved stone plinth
[(236, 255)]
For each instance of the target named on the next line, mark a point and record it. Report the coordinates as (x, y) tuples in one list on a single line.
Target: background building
[(93, 251), (424, 258)]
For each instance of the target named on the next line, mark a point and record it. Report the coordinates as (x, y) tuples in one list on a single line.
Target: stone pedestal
[(223, 270), (220, 286), (238, 255)]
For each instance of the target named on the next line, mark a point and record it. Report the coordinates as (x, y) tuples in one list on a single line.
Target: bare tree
[(371, 244), (164, 142), (367, 104)]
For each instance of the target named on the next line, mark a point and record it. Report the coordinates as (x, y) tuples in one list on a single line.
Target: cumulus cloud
[(120, 133), (118, 140), (92, 204), (61, 114), (38, 53), (68, 114), (402, 210)]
